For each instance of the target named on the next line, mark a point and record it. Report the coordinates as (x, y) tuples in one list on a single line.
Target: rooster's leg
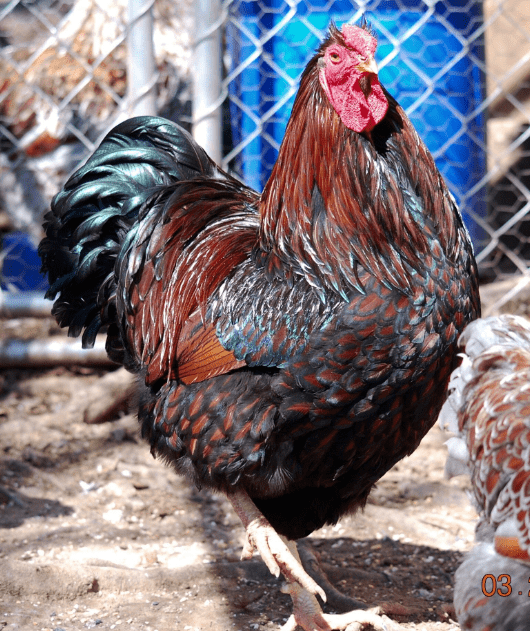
[(308, 614), (334, 598), (281, 555), (273, 549)]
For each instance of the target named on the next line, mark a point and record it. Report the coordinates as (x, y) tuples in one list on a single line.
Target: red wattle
[(356, 112)]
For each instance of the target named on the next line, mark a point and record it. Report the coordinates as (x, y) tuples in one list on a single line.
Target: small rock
[(114, 515), (119, 435), (86, 487)]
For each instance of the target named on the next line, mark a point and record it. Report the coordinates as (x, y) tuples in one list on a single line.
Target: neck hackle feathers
[(339, 199)]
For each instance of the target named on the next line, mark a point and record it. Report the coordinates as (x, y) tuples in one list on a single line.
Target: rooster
[(292, 346), (488, 410)]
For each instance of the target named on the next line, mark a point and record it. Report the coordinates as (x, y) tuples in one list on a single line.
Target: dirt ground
[(96, 534)]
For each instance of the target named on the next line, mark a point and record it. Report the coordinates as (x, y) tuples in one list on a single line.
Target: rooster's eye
[(335, 57)]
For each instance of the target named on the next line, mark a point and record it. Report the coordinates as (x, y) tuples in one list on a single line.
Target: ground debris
[(96, 534)]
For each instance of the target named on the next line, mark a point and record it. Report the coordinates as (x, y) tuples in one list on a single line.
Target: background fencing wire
[(70, 70)]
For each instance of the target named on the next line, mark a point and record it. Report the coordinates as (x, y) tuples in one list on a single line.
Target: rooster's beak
[(369, 66)]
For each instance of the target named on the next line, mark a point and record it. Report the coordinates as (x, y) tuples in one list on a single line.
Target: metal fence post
[(141, 66), (206, 69)]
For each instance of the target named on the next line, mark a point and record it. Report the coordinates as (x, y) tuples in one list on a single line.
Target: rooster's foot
[(334, 598), (272, 547), (308, 615), (281, 555)]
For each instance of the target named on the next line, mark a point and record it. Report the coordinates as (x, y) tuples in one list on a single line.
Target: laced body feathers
[(294, 344)]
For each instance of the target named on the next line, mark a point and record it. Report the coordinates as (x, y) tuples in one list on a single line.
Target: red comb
[(359, 39)]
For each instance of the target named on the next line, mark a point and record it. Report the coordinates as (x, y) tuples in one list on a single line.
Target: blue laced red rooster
[(294, 345)]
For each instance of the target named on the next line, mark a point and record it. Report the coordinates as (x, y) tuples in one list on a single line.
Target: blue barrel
[(437, 76), (262, 92), (427, 64)]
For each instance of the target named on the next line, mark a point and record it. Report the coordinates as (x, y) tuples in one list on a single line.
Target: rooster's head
[(348, 75)]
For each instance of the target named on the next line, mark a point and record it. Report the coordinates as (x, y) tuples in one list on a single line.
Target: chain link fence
[(461, 69), (64, 70)]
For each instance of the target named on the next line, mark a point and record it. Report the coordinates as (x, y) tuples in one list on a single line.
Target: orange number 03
[(504, 585)]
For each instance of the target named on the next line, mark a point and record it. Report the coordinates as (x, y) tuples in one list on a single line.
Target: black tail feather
[(99, 205)]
